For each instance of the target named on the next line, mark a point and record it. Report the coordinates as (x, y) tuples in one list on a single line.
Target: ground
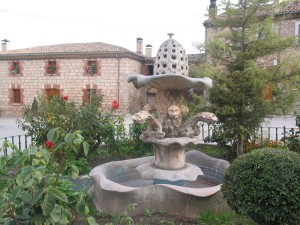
[(154, 219)]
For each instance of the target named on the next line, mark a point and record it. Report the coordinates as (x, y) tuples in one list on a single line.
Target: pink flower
[(49, 144), (66, 97), (115, 105)]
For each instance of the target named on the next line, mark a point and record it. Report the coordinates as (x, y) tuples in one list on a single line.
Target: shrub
[(34, 194), (97, 128), (264, 184)]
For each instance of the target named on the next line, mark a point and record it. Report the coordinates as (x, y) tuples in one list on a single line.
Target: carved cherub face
[(173, 112)]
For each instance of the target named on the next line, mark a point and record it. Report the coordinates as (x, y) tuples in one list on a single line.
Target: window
[(15, 68), (297, 29), (51, 67), (16, 96), (91, 68), (88, 93)]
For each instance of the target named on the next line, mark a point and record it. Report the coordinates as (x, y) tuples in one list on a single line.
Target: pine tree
[(239, 54)]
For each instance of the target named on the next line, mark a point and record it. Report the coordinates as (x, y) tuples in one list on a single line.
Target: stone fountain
[(173, 180)]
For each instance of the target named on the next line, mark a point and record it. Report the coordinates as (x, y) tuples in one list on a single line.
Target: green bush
[(265, 184), (34, 194), (97, 128)]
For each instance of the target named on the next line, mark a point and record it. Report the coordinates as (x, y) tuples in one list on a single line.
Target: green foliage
[(226, 218), (246, 89), (97, 128), (34, 194), (83, 165), (141, 148), (292, 139), (123, 217), (268, 186)]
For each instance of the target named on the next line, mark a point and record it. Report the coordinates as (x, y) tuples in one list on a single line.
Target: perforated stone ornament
[(171, 58)]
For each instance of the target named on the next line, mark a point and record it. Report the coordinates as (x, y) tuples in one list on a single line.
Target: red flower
[(66, 97), (49, 144), (115, 105)]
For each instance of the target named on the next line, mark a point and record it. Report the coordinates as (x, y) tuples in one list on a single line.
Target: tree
[(246, 87)]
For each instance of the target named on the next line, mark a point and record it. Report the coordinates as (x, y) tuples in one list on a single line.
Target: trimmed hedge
[(265, 184)]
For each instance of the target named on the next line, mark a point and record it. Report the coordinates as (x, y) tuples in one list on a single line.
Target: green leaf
[(68, 138), (26, 197), (26, 172), (16, 191), (53, 135), (60, 195), (19, 180), (86, 148), (80, 207), (64, 220), (77, 141), (38, 176), (92, 221), (28, 183), (38, 219), (48, 204), (56, 213), (9, 196), (73, 171), (38, 192), (39, 168), (36, 162), (46, 155)]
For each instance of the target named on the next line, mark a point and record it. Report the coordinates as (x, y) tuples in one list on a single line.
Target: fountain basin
[(118, 184)]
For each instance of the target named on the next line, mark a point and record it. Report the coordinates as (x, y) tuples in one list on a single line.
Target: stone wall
[(71, 80)]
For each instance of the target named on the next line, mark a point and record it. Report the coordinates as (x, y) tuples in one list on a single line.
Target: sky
[(30, 23)]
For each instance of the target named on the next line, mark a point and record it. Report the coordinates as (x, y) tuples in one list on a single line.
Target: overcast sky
[(29, 23)]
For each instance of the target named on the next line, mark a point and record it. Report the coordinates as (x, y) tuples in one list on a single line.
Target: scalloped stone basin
[(118, 184)]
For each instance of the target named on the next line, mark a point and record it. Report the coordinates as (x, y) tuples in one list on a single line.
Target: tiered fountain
[(172, 181)]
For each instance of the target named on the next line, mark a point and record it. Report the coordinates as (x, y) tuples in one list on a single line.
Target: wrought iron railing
[(270, 133), (260, 134), (21, 141)]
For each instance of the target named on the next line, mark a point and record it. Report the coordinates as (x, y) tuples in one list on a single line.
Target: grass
[(157, 218)]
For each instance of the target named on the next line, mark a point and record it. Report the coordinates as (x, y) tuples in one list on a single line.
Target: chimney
[(139, 45), (4, 45), (149, 50), (212, 11)]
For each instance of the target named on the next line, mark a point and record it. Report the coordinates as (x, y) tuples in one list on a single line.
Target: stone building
[(287, 25), (75, 70)]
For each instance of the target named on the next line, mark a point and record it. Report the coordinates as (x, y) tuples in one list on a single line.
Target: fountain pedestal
[(169, 157)]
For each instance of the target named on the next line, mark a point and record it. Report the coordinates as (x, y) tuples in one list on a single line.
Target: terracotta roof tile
[(294, 7), (93, 47)]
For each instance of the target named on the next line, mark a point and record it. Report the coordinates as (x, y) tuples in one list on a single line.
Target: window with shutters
[(15, 68), (51, 67)]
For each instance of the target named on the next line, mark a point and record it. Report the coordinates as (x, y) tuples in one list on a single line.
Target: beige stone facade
[(70, 78), (64, 70)]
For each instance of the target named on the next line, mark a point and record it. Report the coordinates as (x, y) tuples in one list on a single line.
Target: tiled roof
[(93, 47), (293, 7), (80, 50), (71, 50)]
